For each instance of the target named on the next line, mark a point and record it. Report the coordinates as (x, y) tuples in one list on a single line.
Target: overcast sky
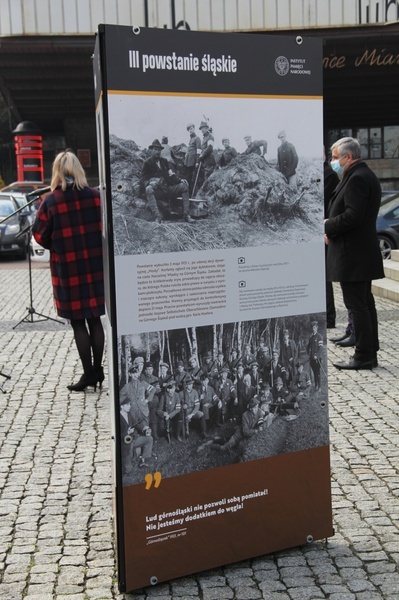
[(144, 118)]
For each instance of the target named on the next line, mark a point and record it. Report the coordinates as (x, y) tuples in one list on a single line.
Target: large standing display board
[(215, 281)]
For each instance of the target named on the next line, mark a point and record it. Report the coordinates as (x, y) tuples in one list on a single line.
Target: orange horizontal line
[(210, 95)]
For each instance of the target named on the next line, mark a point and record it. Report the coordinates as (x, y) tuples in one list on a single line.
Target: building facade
[(46, 74)]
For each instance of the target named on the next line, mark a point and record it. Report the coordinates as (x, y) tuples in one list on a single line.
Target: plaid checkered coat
[(69, 225)]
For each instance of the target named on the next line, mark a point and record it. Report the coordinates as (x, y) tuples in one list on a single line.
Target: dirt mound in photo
[(256, 190), (249, 203)]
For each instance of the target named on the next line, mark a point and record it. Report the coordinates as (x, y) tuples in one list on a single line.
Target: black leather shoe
[(347, 342), (355, 365), (342, 337)]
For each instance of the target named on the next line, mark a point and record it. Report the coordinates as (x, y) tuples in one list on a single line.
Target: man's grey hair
[(348, 144)]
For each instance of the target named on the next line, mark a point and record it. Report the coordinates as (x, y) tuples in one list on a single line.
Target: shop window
[(375, 138), (375, 142), (391, 141), (363, 136)]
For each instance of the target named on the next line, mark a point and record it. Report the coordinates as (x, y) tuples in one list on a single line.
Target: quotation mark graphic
[(149, 478)]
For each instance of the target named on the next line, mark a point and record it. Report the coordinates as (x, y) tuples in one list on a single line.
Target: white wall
[(44, 17)]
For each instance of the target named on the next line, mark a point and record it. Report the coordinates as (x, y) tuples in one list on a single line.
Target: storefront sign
[(375, 57)]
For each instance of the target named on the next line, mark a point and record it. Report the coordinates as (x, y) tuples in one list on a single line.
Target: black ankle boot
[(99, 371), (87, 379)]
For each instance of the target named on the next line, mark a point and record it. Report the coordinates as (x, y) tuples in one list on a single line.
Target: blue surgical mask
[(337, 167)]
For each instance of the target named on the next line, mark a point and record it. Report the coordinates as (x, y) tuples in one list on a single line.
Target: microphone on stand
[(39, 192)]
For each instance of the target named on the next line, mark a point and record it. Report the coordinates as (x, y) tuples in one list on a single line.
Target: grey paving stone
[(247, 593), (13, 591), (38, 595), (368, 596), (217, 594), (306, 593), (270, 587), (56, 481), (41, 590), (101, 581), (98, 594), (211, 581)]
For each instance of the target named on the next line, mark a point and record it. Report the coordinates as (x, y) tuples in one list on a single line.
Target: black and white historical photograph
[(200, 173), (206, 397)]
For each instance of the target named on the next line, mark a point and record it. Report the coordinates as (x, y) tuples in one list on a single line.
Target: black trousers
[(331, 312), (360, 301)]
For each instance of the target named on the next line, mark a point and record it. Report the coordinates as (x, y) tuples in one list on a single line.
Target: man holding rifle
[(169, 409), (190, 410)]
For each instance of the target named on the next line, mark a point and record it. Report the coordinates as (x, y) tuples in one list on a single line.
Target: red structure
[(29, 152)]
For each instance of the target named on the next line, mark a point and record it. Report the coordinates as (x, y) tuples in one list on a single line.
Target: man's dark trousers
[(359, 299)]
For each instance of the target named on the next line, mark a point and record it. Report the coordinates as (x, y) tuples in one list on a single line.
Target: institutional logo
[(282, 65)]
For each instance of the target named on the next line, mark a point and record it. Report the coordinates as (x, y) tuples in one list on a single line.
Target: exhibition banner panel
[(212, 196)]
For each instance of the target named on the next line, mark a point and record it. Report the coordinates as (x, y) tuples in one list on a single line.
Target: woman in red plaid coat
[(68, 223)]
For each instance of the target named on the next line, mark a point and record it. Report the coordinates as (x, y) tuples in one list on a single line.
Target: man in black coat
[(354, 257)]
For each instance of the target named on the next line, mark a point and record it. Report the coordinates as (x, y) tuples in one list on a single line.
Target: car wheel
[(386, 245)]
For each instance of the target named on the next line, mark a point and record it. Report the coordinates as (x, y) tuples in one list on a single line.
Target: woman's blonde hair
[(67, 166)]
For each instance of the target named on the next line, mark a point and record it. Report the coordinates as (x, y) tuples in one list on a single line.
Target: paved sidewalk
[(56, 529)]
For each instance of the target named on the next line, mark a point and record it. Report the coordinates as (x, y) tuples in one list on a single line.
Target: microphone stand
[(5, 377), (29, 318)]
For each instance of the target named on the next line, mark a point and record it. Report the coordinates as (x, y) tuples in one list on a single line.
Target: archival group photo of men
[(207, 397), (190, 173)]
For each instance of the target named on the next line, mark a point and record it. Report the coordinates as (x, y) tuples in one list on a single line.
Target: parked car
[(14, 232), (388, 224), (24, 187), (22, 200), (37, 252)]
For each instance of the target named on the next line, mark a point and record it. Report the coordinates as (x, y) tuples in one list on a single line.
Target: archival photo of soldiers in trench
[(207, 397), (193, 173)]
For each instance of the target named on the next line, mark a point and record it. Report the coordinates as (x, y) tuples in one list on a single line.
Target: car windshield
[(20, 199), (6, 208), (389, 204)]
